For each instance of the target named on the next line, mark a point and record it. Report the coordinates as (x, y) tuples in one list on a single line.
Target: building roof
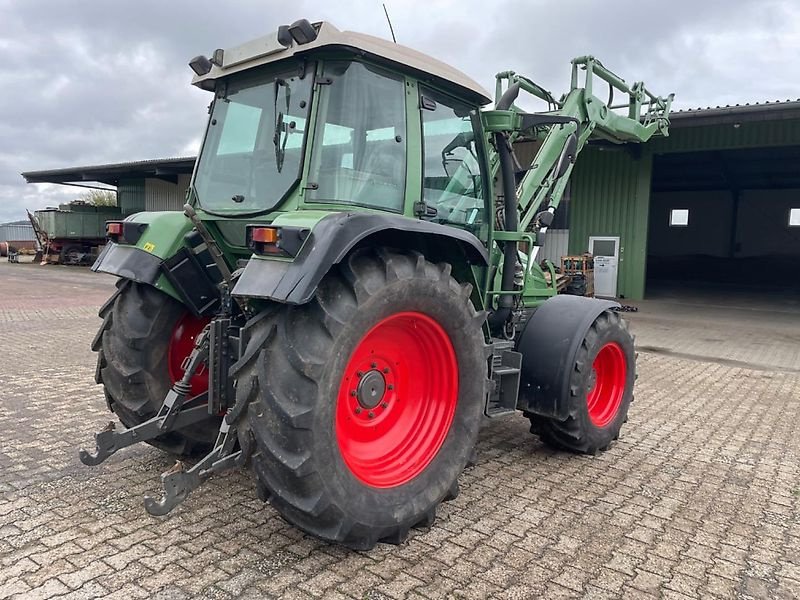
[(268, 49), (736, 113), (111, 174)]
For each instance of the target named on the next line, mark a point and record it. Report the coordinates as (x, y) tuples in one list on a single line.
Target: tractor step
[(506, 366)]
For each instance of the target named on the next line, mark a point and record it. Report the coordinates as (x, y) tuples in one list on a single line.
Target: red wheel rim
[(181, 343), (607, 386), (396, 400)]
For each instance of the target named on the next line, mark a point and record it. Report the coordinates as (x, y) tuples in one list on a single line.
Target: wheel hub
[(606, 384), (397, 399), (371, 389)]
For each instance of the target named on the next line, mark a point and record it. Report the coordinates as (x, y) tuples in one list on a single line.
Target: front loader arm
[(540, 185)]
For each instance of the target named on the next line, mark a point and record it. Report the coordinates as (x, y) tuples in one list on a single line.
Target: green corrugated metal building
[(735, 170)]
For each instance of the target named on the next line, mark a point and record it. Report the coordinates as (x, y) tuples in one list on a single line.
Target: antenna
[(386, 12)]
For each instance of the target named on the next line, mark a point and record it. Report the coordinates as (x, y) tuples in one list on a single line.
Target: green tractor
[(353, 286)]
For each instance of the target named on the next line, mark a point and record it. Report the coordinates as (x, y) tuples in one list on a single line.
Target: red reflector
[(113, 228), (265, 235)]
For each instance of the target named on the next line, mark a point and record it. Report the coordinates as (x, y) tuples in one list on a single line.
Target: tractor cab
[(313, 118)]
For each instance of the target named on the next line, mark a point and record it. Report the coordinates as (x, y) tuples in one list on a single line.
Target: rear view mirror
[(568, 155)]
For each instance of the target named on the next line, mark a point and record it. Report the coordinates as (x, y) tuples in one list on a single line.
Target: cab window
[(452, 183), (359, 151)]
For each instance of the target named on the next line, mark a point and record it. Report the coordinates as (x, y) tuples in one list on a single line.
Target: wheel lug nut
[(358, 410), (373, 365), (354, 393), (386, 370), (384, 405), (360, 373), (390, 387), (371, 415)]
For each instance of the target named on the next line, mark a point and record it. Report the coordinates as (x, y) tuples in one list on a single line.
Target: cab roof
[(268, 49)]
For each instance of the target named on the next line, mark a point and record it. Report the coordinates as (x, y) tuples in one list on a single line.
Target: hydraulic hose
[(506, 301)]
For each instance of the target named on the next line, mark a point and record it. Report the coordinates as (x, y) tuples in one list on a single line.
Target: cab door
[(453, 182)]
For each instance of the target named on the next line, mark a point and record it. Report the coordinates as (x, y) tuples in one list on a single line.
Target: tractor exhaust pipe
[(506, 301)]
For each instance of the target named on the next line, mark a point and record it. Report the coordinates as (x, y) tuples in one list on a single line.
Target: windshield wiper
[(280, 135)]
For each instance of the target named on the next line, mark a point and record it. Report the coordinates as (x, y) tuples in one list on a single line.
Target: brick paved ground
[(700, 497)]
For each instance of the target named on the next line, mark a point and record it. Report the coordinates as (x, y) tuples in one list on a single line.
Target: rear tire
[(321, 460), (132, 348), (601, 390)]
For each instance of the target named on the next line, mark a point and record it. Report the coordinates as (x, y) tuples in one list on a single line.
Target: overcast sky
[(99, 81)]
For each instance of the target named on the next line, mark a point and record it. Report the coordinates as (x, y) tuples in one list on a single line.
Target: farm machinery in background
[(73, 233), (353, 285)]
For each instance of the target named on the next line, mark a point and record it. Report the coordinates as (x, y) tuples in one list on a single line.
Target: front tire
[(600, 390), (365, 403)]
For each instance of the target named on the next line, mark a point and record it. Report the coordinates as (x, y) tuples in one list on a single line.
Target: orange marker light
[(265, 235)]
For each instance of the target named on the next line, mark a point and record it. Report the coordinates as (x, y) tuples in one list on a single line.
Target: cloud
[(92, 81)]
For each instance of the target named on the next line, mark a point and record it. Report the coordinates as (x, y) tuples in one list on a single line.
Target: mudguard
[(128, 262), (157, 249), (549, 344), (158, 236), (295, 282)]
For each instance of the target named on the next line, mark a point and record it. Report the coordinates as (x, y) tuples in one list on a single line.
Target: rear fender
[(549, 344), (156, 254), (334, 236), (159, 235)]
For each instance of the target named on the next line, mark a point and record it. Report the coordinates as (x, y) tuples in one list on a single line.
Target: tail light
[(124, 232), (276, 241), (265, 235)]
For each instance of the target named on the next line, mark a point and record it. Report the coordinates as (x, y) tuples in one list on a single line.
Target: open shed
[(715, 203), (158, 184)]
